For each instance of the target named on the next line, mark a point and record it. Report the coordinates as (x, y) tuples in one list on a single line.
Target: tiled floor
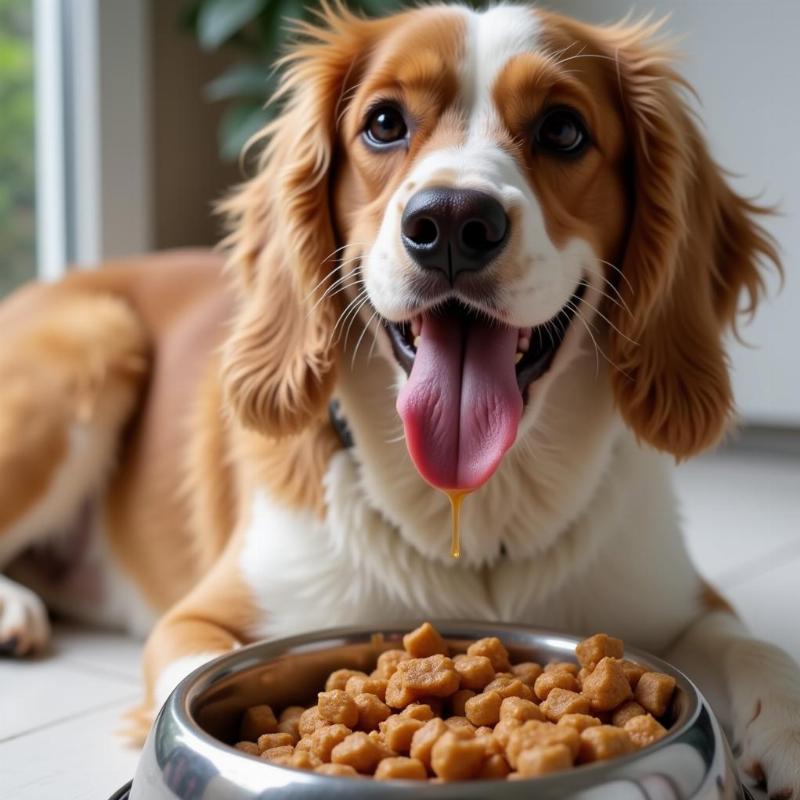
[(58, 715)]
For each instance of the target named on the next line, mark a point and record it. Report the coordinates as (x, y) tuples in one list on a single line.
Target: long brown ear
[(279, 362), (693, 251)]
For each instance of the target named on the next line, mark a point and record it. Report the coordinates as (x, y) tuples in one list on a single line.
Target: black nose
[(453, 230)]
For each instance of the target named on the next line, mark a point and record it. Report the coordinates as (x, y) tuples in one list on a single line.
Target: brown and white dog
[(497, 239)]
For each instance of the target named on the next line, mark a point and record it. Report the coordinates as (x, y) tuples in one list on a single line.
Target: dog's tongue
[(461, 404)]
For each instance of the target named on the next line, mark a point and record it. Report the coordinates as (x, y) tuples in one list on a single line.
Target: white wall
[(743, 59)]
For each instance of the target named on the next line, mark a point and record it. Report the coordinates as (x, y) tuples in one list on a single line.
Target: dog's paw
[(24, 624), (770, 747)]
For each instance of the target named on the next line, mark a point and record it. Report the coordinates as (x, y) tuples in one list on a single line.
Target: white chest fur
[(355, 568)]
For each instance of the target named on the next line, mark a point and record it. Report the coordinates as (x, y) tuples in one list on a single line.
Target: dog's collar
[(339, 424)]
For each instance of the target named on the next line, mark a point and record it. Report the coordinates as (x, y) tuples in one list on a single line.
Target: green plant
[(17, 176), (257, 29)]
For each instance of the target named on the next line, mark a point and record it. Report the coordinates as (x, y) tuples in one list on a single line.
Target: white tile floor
[(58, 715)]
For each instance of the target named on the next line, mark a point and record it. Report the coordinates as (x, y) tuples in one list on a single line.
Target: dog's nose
[(453, 230)]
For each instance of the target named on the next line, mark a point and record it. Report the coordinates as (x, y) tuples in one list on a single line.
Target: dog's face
[(481, 190), (494, 190)]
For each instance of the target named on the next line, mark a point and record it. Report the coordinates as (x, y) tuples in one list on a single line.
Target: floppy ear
[(279, 362), (693, 251)]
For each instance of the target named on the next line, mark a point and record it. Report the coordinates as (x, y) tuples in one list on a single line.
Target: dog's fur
[(166, 454)]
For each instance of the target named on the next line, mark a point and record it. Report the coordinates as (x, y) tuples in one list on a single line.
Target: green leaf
[(218, 20), (238, 124), (240, 81)]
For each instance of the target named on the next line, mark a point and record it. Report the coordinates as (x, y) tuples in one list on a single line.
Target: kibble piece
[(607, 686), (590, 652), (290, 727), (484, 708), (337, 707), (540, 734), (548, 681), (494, 767), (492, 648), (309, 721), (633, 672), (579, 721), (358, 751), (363, 684), (653, 691), (455, 758), (371, 711), (248, 747), (337, 770), (458, 701), (397, 694), (257, 720), (279, 755), (304, 759), (475, 671), (562, 666), (400, 768), (519, 708), (527, 672), (420, 711), (461, 724), (434, 675), (388, 661), (562, 701), (503, 730), (291, 712), (509, 686), (425, 641), (323, 740), (339, 678), (268, 740), (544, 760), (625, 712), (583, 674), (603, 742), (398, 730), (644, 730), (423, 740)]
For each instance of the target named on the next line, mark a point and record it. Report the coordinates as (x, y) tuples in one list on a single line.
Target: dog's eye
[(561, 131), (385, 125)]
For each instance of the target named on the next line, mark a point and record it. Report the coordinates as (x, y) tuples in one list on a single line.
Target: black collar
[(339, 424)]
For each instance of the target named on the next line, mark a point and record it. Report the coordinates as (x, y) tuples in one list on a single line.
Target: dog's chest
[(354, 568)]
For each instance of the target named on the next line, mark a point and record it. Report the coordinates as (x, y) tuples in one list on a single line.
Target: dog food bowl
[(185, 758)]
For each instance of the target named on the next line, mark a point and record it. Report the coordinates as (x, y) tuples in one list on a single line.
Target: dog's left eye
[(561, 131), (385, 125)]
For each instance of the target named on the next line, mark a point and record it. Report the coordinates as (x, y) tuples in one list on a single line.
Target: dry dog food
[(425, 713)]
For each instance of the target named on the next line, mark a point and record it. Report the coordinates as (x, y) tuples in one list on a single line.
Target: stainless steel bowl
[(185, 757)]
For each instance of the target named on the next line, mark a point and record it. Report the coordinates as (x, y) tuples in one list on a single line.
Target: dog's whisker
[(346, 311), (361, 339), (353, 317), (609, 322)]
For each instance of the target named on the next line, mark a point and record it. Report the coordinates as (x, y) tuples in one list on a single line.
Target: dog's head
[(500, 189)]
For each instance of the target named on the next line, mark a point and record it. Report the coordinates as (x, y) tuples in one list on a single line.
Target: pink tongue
[(461, 404)]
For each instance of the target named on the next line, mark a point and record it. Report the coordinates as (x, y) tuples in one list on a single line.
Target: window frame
[(93, 149)]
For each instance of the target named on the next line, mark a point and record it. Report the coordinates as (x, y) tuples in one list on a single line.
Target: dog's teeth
[(518, 357), (416, 342), (416, 327), (524, 344)]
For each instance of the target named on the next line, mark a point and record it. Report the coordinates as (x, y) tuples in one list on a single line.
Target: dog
[(498, 242)]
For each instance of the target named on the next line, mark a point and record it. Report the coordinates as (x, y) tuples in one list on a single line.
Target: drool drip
[(456, 497)]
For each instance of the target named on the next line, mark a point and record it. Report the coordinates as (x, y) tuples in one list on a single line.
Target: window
[(17, 145)]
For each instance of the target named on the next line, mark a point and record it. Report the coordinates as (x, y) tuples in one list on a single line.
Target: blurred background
[(121, 122), (120, 125)]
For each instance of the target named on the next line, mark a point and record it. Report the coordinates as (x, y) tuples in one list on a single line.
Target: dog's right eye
[(385, 125)]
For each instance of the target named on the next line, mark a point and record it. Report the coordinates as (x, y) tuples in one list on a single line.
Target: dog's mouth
[(468, 376)]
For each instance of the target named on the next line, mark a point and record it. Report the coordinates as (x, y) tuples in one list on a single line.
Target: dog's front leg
[(214, 618), (754, 688)]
